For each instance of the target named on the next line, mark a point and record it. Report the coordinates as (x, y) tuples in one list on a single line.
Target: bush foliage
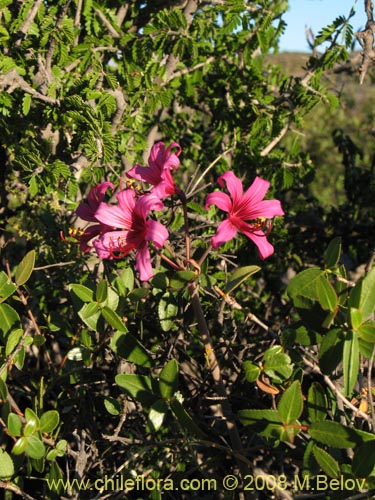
[(223, 375)]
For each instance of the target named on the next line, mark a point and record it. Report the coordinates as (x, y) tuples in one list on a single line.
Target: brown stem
[(214, 367)]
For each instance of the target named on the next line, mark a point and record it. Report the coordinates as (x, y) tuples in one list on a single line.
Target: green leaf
[(167, 310), (328, 464), (113, 319), (90, 314), (26, 103), (317, 406), (168, 379), (277, 364), (7, 288), (252, 371), (49, 421), (3, 390), (84, 293), (239, 276), (20, 446), (305, 284), (330, 353), (265, 422), (138, 294), (35, 447), (180, 279), (101, 291), (350, 362), (334, 434), (13, 340), (125, 281), (138, 387), (8, 316), (332, 253), (31, 417), (25, 268), (362, 295), (185, 420), (112, 406), (355, 317), (326, 294), (364, 459), (291, 403), (157, 414), (14, 424), (6, 466), (128, 347), (366, 331)]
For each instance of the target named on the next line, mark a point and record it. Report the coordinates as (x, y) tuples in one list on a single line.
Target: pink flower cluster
[(119, 229)]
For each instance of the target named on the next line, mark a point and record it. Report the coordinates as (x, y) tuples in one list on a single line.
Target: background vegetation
[(103, 376)]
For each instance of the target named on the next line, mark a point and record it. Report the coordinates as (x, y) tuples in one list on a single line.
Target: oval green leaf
[(157, 415), (6, 466), (168, 379), (25, 268), (35, 447), (101, 291), (139, 387), (239, 276), (367, 331), (13, 340), (362, 295), (19, 446), (167, 310), (252, 371), (8, 316), (84, 293), (334, 434), (113, 319), (291, 403), (317, 406), (49, 421), (7, 288), (332, 253), (328, 464), (14, 424), (128, 347)]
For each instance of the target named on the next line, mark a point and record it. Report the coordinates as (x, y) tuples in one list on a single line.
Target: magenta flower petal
[(150, 175), (233, 183), (143, 263), (221, 200), (256, 191), (264, 246), (225, 232), (113, 216), (86, 210), (161, 162), (247, 212), (157, 233)]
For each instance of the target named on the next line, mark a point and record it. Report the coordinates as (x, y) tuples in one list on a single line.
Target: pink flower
[(134, 232), (158, 173), (247, 213), (86, 211)]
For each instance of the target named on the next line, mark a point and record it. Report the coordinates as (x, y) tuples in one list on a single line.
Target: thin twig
[(215, 370), (191, 192), (329, 382), (15, 489), (22, 32)]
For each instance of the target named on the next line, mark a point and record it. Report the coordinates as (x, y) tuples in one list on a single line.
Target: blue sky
[(316, 14)]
